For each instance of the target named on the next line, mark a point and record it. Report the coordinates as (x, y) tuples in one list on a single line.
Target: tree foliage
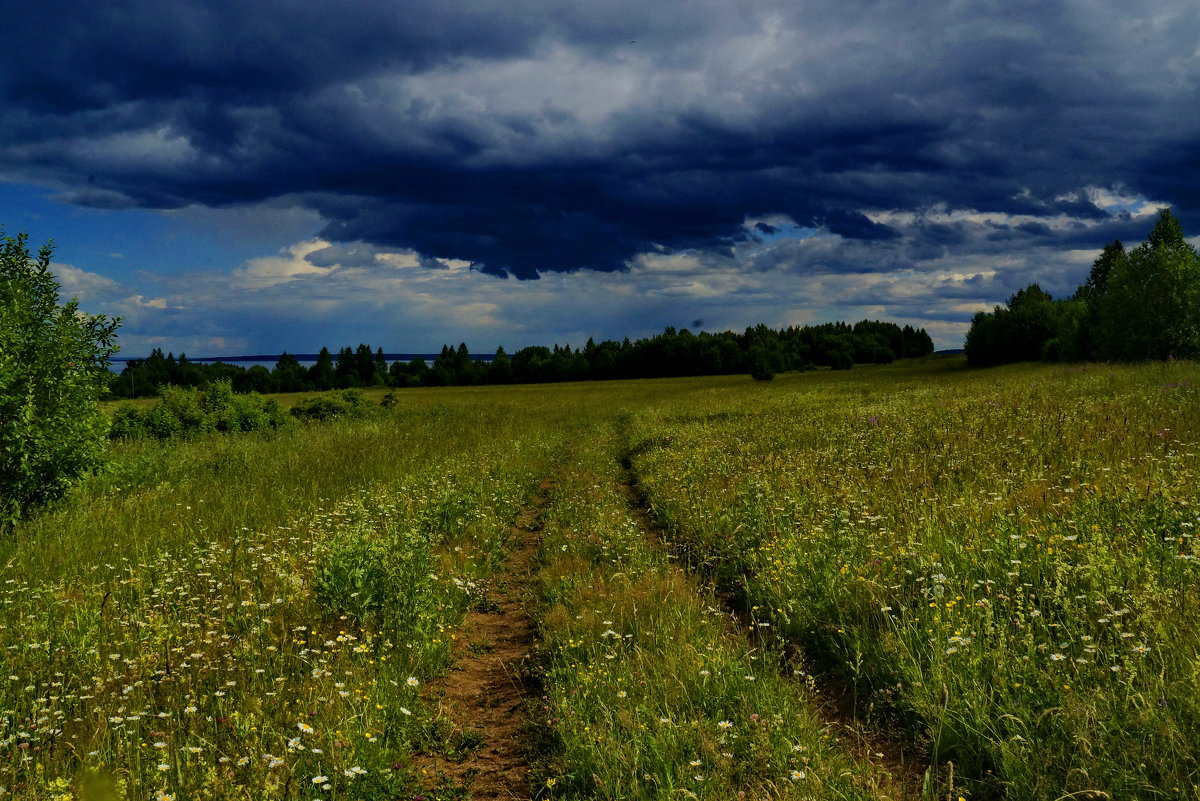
[(185, 411), (758, 350), (1151, 306), (1138, 304), (1017, 332), (53, 368)]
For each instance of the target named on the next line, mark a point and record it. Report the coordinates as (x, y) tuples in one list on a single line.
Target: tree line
[(759, 351), (1137, 304)]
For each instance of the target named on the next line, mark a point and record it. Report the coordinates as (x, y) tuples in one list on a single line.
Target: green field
[(912, 581)]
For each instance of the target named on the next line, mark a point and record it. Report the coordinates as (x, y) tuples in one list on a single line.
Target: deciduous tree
[(53, 368)]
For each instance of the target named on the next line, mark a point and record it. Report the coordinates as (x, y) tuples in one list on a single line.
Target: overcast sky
[(246, 177)]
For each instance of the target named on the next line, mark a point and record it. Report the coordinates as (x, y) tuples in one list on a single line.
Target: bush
[(53, 368), (374, 574), (762, 364), (128, 423), (183, 411), (347, 403)]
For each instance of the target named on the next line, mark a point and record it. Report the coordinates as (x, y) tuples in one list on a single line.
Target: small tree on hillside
[(53, 368)]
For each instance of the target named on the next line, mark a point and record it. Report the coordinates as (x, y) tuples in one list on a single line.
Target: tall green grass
[(651, 692), (253, 616), (1001, 565), (1003, 561)]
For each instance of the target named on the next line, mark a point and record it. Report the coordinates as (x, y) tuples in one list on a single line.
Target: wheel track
[(483, 697), (830, 694)]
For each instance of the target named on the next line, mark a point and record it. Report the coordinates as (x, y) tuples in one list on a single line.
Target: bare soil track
[(483, 696)]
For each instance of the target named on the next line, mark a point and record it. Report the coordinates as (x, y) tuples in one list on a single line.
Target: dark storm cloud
[(356, 255), (528, 137)]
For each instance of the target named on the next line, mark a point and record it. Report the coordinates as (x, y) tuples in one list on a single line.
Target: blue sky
[(239, 177)]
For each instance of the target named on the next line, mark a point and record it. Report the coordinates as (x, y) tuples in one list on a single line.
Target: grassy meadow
[(993, 573)]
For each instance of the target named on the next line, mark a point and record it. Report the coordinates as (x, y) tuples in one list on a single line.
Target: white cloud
[(149, 303), (87, 286), (288, 265)]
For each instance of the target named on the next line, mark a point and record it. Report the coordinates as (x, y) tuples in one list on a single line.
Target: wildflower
[(412, 681), (304, 727), (320, 779), (798, 774), (164, 767), (1057, 657), (725, 724)]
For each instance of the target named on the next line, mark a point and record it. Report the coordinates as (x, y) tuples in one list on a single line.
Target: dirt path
[(482, 699)]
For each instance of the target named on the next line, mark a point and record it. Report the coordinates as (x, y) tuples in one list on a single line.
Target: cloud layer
[(316, 292), (534, 138)]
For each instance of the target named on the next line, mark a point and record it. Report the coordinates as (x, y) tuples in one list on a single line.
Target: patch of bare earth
[(483, 752)]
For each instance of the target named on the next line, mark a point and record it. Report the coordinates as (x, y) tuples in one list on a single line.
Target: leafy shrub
[(183, 411), (368, 573), (128, 423), (53, 368), (347, 403)]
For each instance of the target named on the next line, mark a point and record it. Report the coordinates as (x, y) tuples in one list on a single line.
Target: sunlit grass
[(1001, 564), (1004, 560), (650, 690), (252, 616)]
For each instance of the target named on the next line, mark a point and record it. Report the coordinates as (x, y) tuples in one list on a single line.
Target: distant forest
[(1135, 305), (759, 351)]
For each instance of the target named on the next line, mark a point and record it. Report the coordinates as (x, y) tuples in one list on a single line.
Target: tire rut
[(482, 700), (830, 694)]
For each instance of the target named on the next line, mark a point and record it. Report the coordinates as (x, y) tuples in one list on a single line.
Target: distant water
[(306, 359)]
